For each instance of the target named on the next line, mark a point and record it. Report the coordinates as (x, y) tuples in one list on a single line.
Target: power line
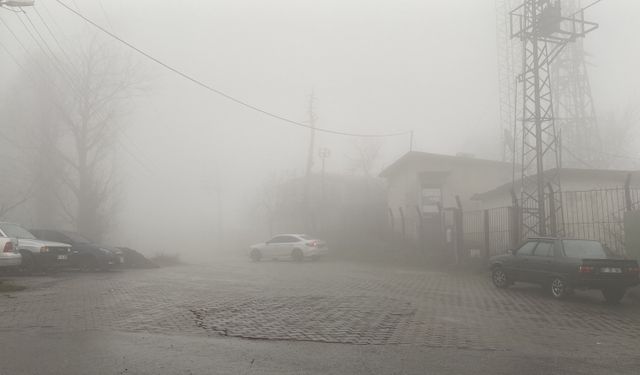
[(63, 73), (216, 91), (14, 35), (106, 15), (61, 66), (11, 55), (55, 39), (586, 7)]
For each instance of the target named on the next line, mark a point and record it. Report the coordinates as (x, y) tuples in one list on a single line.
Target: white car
[(9, 255), (36, 254), (296, 246)]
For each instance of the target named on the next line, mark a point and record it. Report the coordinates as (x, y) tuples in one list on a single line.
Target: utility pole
[(324, 153), (543, 32), (312, 137), (411, 141)]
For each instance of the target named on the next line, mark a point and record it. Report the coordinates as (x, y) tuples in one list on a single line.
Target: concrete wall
[(465, 177)]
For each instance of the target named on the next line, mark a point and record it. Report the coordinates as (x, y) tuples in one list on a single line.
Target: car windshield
[(75, 237), (16, 231), (584, 249)]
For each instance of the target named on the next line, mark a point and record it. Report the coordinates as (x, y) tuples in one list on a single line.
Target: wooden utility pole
[(312, 138)]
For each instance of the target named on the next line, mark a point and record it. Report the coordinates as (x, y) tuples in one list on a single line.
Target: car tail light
[(44, 249), (312, 243), (633, 270), (585, 269), (8, 247)]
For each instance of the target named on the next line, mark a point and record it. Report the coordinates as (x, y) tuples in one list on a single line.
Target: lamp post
[(17, 3)]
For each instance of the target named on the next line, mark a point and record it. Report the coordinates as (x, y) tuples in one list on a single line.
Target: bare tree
[(69, 117), (100, 86), (367, 152)]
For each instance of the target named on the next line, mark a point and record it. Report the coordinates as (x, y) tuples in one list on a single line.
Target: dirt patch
[(7, 287)]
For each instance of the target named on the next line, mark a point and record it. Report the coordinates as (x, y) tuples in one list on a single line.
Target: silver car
[(295, 246)]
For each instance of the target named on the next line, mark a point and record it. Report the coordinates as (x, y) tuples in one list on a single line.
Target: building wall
[(572, 183), (464, 178)]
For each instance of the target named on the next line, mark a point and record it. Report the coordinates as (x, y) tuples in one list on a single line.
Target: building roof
[(427, 156), (604, 174)]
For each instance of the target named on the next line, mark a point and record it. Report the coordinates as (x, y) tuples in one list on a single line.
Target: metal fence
[(598, 215), (595, 215), (488, 232)]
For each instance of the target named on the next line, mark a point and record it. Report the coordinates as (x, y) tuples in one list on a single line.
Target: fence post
[(402, 222), (552, 212), (459, 228), (442, 229), (421, 235), (515, 221), (627, 194), (487, 244)]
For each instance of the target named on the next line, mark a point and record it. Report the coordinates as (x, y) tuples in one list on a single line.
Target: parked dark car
[(134, 259), (563, 265), (84, 254)]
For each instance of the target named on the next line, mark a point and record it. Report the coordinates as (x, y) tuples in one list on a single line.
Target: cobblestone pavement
[(324, 302)]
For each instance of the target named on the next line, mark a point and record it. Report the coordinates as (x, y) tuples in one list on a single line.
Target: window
[(527, 248), (544, 249), (16, 231), (278, 239), (584, 249), (290, 239)]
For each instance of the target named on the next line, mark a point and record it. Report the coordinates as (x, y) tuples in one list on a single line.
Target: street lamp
[(17, 3)]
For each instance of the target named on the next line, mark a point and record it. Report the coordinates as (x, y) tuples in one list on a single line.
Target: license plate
[(611, 270), (62, 257)]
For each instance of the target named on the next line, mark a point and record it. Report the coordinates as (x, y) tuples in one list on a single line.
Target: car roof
[(290, 234), (561, 239)]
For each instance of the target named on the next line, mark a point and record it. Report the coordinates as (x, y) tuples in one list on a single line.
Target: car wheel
[(500, 278), (297, 255), (613, 295), (255, 255), (559, 288), (89, 263)]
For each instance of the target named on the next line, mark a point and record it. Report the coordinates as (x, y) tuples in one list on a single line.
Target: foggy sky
[(375, 67)]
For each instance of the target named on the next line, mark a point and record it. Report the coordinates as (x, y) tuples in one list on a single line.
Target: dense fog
[(189, 164)]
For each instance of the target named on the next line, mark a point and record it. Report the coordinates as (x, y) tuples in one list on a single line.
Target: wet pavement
[(316, 317)]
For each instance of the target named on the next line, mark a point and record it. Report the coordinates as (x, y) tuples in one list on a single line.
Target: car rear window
[(16, 231), (305, 237), (583, 249)]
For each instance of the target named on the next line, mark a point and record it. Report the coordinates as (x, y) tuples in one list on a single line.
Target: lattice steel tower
[(573, 104), (543, 31), (508, 58)]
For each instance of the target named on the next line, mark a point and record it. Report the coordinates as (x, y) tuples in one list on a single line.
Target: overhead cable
[(219, 92)]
